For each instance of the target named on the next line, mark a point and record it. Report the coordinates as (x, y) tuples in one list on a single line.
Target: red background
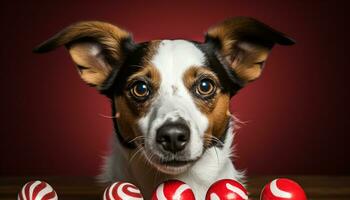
[(296, 114)]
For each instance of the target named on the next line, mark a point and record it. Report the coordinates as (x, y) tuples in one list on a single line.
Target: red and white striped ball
[(282, 189), (173, 190), (226, 189), (122, 191), (37, 190)]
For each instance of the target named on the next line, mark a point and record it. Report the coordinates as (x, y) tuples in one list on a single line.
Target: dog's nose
[(173, 137)]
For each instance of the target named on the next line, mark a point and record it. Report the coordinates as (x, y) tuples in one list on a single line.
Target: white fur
[(173, 101)]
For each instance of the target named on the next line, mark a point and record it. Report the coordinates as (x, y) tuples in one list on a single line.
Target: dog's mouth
[(172, 166), (176, 163)]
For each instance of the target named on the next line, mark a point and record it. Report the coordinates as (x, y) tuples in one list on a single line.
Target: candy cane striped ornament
[(282, 189), (226, 189), (37, 190), (173, 190), (122, 191)]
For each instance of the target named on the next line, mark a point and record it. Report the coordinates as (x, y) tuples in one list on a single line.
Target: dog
[(170, 98)]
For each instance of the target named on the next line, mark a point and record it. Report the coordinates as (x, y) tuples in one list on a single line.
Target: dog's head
[(170, 97)]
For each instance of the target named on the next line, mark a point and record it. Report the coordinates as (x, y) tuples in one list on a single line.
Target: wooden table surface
[(85, 188)]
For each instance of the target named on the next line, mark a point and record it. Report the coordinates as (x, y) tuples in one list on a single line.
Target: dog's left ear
[(243, 45), (97, 48)]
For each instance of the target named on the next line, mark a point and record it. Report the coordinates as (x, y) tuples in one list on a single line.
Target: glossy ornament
[(283, 189), (226, 189), (37, 190), (173, 190), (122, 191)]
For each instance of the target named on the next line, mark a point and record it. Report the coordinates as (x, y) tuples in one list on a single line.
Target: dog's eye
[(205, 87), (140, 89)]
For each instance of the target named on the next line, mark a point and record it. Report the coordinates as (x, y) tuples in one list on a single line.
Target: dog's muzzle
[(172, 137)]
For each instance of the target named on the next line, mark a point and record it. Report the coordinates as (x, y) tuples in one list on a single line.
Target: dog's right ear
[(97, 48)]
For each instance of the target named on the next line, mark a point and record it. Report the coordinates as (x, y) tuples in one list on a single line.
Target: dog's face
[(170, 97), (175, 101)]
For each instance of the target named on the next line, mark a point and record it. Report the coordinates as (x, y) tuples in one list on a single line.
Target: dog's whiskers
[(107, 116), (151, 158), (217, 156), (155, 177), (214, 139), (139, 149), (139, 66), (238, 123), (141, 137)]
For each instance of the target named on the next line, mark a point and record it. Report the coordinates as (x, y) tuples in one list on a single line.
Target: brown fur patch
[(222, 32), (248, 61), (218, 118), (131, 111), (93, 68), (191, 76), (127, 119), (244, 57), (153, 75), (216, 109), (104, 33), (80, 37)]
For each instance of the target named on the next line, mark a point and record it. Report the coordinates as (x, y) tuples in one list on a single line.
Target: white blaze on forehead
[(177, 56), (172, 59)]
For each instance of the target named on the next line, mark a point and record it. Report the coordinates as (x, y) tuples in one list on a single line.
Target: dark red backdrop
[(296, 113)]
